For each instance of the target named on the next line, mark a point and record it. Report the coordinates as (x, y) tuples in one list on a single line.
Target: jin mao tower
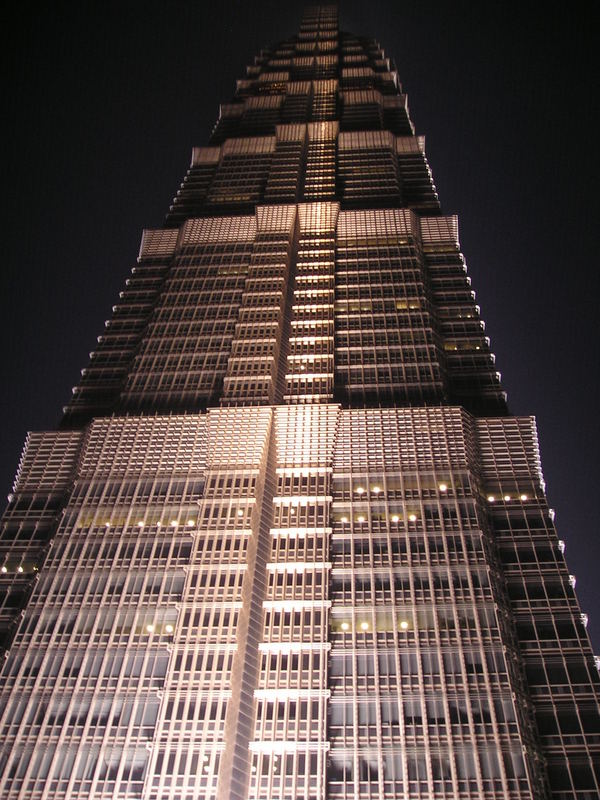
[(289, 542)]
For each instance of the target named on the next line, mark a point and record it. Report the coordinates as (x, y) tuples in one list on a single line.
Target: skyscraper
[(299, 547)]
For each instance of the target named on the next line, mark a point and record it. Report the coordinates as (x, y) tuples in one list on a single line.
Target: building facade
[(289, 542)]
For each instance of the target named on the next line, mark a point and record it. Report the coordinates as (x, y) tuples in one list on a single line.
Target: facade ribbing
[(289, 542)]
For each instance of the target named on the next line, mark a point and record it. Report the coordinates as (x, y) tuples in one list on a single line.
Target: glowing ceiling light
[(360, 518), (364, 626), (140, 524), (150, 628), (19, 568), (443, 487), (190, 523), (174, 523), (3, 569), (395, 518), (491, 498), (412, 517), (360, 490), (524, 497), (169, 628), (404, 625), (345, 626), (507, 497)]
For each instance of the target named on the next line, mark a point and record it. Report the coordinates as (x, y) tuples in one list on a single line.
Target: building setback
[(288, 541)]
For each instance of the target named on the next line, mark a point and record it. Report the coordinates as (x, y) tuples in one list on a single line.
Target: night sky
[(104, 101)]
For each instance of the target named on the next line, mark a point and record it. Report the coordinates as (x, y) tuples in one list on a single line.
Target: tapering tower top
[(322, 20)]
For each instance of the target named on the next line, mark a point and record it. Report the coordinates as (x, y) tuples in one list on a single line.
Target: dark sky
[(104, 101)]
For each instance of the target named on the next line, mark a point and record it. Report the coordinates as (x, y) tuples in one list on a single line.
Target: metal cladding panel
[(439, 230), (402, 439), (205, 155), (305, 435), (158, 243), (318, 217), (218, 229), (49, 461), (276, 219), (237, 435), (375, 222), (135, 445)]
